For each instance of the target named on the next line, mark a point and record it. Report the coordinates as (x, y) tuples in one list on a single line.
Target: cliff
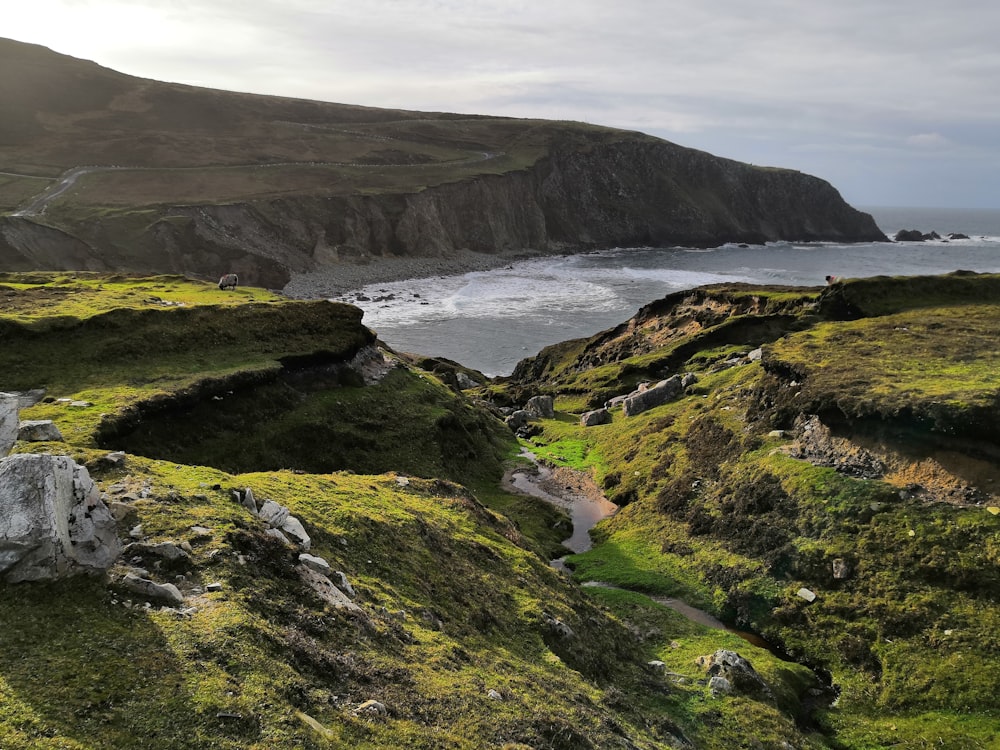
[(135, 175)]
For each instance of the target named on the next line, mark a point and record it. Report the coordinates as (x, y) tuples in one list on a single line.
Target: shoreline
[(351, 276)]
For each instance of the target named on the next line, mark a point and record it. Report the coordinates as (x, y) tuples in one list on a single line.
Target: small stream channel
[(586, 510)]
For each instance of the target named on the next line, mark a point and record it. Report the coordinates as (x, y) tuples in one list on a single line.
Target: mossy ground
[(451, 577), (717, 513)]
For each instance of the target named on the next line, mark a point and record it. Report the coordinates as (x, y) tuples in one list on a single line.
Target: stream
[(575, 492)]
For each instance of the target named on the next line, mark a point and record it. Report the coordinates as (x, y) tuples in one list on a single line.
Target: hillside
[(842, 508), (829, 480), (103, 171)]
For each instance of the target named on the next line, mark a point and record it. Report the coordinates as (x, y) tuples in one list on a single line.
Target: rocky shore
[(349, 276)]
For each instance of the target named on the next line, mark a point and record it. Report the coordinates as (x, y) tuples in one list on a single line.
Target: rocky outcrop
[(625, 190), (52, 520)]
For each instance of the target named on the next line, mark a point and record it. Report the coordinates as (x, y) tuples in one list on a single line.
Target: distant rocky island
[(107, 172)]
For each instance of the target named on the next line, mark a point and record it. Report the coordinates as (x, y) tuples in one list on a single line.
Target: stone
[(518, 420), (162, 592), (34, 396), (611, 403), (164, 550), (276, 534), (248, 501), (643, 400), (325, 589), (9, 408), (806, 594), (541, 407), (776, 434), (273, 514), (215, 586), (136, 532), (53, 522), (372, 707), (296, 531), (494, 695), (657, 666), (730, 673), (841, 569), (464, 381), (756, 355), (341, 582), (316, 563), (688, 379), (595, 417), (719, 685), (38, 431), (557, 626)]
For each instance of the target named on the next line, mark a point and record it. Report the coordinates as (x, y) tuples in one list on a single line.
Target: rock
[(730, 673), (276, 534), (657, 666), (163, 592), (136, 531), (494, 695), (464, 381), (841, 569), (643, 400), (121, 512), (611, 403), (115, 459), (776, 434), (557, 626), (34, 396), (719, 685), (816, 444), (541, 407), (38, 431), (215, 586), (957, 236), (909, 235), (9, 407), (341, 582), (756, 354), (294, 529), (53, 522), (806, 594), (518, 419), (372, 707), (688, 379), (595, 417), (326, 590), (164, 550), (273, 514), (316, 563), (80, 404), (248, 501)]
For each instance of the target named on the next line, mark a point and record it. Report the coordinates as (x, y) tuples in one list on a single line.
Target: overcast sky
[(896, 103)]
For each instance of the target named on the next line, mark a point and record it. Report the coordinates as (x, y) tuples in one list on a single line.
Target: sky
[(895, 103)]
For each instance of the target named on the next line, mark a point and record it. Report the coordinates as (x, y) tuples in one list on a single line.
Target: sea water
[(490, 320)]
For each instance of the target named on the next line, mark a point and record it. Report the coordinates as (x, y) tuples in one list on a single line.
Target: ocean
[(490, 320)]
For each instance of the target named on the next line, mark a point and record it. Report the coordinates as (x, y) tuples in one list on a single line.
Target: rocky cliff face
[(635, 191)]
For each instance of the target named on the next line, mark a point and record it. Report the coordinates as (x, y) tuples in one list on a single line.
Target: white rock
[(273, 514), (164, 592), (806, 594), (324, 587), (316, 563), (53, 522), (38, 430), (294, 529), (8, 422)]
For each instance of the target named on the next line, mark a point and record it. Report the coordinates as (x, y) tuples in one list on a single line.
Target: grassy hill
[(461, 628), (856, 458)]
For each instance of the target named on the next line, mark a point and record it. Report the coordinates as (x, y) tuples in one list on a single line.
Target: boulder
[(653, 396), (166, 593), (729, 672), (52, 521), (273, 514), (316, 563), (294, 529), (541, 407), (518, 420), (325, 589), (38, 431), (595, 417), (9, 407)]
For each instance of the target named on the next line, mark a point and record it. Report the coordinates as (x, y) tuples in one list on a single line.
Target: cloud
[(767, 82)]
